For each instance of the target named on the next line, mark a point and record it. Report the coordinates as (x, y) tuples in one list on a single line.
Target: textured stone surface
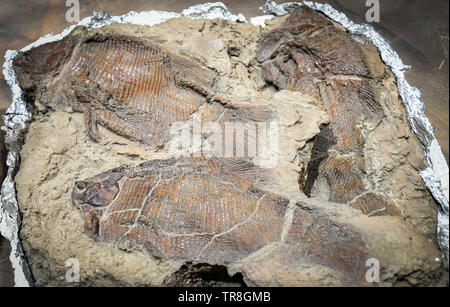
[(311, 55), (208, 210), (402, 238)]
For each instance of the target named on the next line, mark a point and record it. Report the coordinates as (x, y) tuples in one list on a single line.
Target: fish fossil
[(128, 84), (312, 55), (209, 210)]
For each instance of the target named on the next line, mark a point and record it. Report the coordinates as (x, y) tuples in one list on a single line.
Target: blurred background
[(416, 29)]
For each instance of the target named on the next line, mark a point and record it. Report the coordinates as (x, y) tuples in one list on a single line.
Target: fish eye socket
[(80, 185)]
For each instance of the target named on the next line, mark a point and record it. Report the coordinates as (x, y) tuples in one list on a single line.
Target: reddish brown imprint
[(128, 84), (312, 55), (209, 210)]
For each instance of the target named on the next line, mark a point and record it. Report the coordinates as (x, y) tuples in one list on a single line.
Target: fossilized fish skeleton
[(312, 55), (128, 84), (209, 210)]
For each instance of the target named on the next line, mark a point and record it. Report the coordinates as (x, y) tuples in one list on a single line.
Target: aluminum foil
[(17, 115)]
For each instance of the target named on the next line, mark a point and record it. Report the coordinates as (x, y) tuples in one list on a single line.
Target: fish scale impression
[(203, 152)]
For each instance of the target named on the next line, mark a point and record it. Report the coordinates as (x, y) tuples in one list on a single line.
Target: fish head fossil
[(92, 196), (98, 191), (45, 60)]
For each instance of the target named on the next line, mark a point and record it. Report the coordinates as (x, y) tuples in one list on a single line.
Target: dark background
[(416, 29)]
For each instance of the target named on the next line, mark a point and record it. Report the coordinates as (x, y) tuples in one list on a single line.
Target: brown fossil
[(210, 211), (312, 55), (198, 221), (128, 84)]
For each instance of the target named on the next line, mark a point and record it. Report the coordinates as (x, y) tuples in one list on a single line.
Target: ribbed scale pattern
[(190, 207), (320, 60), (344, 176), (196, 210), (339, 52), (342, 102), (369, 203), (349, 102), (140, 76)]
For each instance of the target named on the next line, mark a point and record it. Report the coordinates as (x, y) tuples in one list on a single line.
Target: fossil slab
[(126, 83), (307, 240), (311, 54)]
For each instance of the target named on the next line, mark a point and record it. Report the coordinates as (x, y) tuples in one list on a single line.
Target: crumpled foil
[(17, 115)]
